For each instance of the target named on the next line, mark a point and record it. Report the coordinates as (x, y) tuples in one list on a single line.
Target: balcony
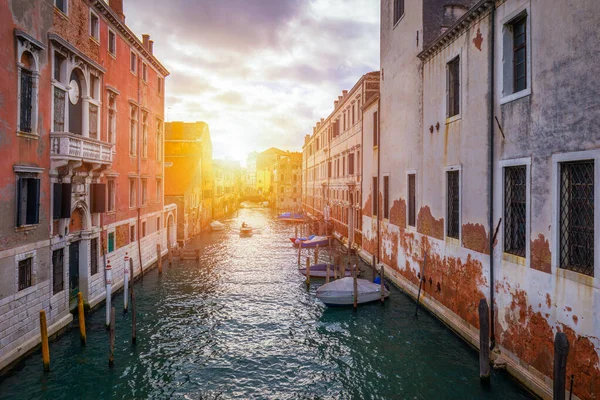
[(65, 147)]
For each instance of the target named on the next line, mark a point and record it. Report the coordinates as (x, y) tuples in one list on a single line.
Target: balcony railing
[(69, 146)]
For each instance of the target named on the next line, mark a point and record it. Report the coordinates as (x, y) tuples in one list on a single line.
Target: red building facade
[(82, 143)]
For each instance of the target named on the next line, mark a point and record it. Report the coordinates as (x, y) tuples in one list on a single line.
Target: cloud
[(259, 72)]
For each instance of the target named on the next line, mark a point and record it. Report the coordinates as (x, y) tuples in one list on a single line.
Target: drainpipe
[(139, 172), (491, 173)]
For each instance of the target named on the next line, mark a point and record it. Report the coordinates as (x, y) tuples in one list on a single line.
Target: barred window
[(58, 283), (25, 267), (453, 82), (26, 100), (515, 215), (577, 216), (94, 256), (452, 204), (411, 200), (59, 110), (519, 54)]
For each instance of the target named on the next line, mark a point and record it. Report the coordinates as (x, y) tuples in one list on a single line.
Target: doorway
[(73, 272)]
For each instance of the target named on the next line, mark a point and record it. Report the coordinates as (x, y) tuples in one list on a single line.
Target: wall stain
[(582, 362), (428, 225), (398, 213), (540, 254), (368, 207), (478, 40), (548, 300), (475, 238)]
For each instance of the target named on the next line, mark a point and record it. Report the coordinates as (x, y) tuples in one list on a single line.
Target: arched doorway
[(76, 91)]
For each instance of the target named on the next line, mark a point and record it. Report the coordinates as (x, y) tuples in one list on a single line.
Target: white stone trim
[(448, 168), (20, 257)]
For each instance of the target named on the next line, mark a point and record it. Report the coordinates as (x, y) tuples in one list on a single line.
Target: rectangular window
[(26, 103), (59, 61), (519, 29), (111, 195), (159, 85), (375, 129), (112, 43), (515, 210), (351, 164), (158, 190), (576, 216), (144, 229), (112, 117), (61, 5), (25, 270), (144, 135), (59, 109), (133, 62), (94, 256), (412, 200), (158, 224), (28, 201), (94, 26), (144, 72), (353, 113), (111, 242), (374, 195), (452, 204), (131, 233), (57, 271), (133, 131), (131, 192), (144, 191), (453, 82), (329, 169), (398, 10), (159, 139), (386, 197)]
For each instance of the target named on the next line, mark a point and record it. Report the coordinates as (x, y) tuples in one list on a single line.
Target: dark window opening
[(411, 200), (374, 195), (398, 10), (453, 205), (94, 256), (454, 87), (515, 210), (28, 201), (519, 54), (26, 100), (375, 129), (386, 197), (57, 271), (25, 267), (577, 216)]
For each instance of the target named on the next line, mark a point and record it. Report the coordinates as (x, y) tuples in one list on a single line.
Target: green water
[(240, 324)]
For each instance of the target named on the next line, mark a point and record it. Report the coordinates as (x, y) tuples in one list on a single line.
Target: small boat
[(311, 241), (341, 292), (291, 217), (320, 271), (246, 230), (217, 226)]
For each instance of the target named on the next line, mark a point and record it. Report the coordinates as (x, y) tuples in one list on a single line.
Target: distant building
[(227, 180), (331, 162), (258, 173), (286, 182), (189, 177), (82, 165)]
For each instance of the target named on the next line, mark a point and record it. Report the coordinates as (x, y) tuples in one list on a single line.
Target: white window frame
[(132, 192), (66, 11), (506, 44), (390, 203), (449, 59), (135, 64), (144, 72), (408, 226), (114, 195), (25, 43), (94, 35), (457, 167), (555, 230), (114, 55), (108, 232), (20, 257), (517, 162), (111, 95)]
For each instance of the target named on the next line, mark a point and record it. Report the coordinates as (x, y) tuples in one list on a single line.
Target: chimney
[(340, 98), (117, 6), (322, 119), (145, 40), (151, 47), (344, 92), (335, 104)]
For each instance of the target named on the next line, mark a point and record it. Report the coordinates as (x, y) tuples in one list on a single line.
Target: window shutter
[(19, 201), (98, 192), (57, 198), (448, 73), (65, 211), (33, 201)]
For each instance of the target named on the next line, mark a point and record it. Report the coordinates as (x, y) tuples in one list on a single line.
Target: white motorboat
[(341, 292), (217, 226)]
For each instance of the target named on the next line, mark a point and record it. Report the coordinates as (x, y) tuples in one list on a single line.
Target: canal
[(241, 324)]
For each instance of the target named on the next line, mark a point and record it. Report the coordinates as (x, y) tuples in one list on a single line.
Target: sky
[(261, 73)]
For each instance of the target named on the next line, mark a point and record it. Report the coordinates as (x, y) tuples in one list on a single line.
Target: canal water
[(241, 324)]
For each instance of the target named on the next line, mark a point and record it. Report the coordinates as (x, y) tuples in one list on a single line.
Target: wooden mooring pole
[(327, 276), (111, 356), (381, 284), (81, 318), (307, 272), (133, 328), (561, 351), (373, 265), (484, 341), (44, 335), (316, 255), (299, 251), (159, 258), (421, 284), (355, 287)]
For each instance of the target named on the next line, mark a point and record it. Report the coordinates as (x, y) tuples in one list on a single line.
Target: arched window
[(28, 52)]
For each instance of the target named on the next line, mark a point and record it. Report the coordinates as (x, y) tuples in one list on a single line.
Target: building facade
[(258, 173), (227, 177), (189, 176), (286, 182), (83, 123), (479, 167), (332, 162)]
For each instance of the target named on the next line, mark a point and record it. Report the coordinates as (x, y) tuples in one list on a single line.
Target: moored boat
[(320, 271), (217, 226), (341, 292), (311, 241), (291, 217)]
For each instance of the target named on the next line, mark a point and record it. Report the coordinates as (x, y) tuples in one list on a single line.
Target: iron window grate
[(411, 200), (515, 210), (26, 100), (453, 206), (25, 273), (57, 270), (577, 216)]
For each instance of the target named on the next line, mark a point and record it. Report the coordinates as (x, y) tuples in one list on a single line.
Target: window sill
[(453, 241), (578, 278), (24, 292), (514, 259), (453, 118), (515, 96), (28, 135), (399, 20), (61, 13), (95, 40), (111, 212), (113, 55), (25, 228)]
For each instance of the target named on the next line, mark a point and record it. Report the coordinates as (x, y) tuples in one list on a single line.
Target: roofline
[(477, 10)]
